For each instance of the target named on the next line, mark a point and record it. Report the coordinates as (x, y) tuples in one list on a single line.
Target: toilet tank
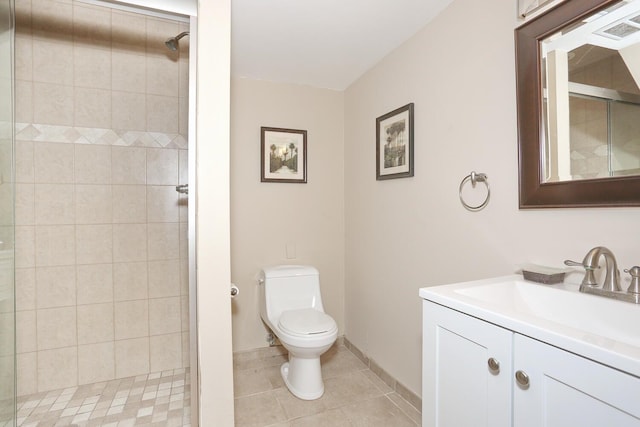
[(289, 287)]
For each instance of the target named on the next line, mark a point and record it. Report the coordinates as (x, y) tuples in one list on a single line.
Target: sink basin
[(592, 314), (600, 328)]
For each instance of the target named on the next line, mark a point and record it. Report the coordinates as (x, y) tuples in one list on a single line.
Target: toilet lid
[(306, 322)]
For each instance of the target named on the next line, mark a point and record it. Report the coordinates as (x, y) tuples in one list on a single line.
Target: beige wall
[(101, 234), (215, 368), (266, 217), (408, 233)]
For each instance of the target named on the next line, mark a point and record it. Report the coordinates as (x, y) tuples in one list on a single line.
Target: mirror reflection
[(591, 103)]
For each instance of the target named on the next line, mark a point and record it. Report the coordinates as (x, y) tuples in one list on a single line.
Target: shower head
[(172, 43)]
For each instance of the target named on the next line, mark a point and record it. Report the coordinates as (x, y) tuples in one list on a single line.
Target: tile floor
[(354, 396), (157, 399)]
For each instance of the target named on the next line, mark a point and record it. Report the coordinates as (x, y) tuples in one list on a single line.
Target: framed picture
[(284, 155), (394, 144)]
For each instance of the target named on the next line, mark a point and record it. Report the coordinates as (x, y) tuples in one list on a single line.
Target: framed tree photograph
[(283, 155), (394, 144)]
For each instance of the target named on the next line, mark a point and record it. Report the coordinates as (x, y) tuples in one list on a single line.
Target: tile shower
[(101, 234)]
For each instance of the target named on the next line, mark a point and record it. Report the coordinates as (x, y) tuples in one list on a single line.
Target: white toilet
[(291, 306)]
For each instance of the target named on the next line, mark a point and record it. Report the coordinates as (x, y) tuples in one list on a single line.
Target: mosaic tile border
[(97, 136)]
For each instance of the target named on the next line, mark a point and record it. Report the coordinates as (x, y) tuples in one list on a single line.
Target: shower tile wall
[(101, 251)]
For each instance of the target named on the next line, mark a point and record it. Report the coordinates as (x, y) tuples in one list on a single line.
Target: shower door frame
[(191, 223), (9, 263)]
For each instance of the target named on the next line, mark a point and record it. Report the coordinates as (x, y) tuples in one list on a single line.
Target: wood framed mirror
[(536, 190)]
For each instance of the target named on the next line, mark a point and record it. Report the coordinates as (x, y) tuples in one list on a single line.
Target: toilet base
[(303, 377)]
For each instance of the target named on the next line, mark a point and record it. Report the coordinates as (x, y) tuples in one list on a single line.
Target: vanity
[(504, 351), (507, 352)]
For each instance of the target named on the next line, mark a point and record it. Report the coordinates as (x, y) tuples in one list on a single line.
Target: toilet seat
[(306, 322)]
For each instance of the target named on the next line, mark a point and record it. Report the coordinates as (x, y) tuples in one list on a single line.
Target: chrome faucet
[(611, 286)]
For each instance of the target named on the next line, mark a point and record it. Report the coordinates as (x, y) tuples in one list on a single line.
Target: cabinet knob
[(522, 379), (494, 366)]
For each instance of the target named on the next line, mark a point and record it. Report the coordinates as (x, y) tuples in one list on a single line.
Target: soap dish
[(543, 274)]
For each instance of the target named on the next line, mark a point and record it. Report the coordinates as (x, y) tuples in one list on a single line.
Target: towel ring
[(475, 178)]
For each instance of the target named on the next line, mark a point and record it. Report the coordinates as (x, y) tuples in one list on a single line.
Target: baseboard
[(387, 378)]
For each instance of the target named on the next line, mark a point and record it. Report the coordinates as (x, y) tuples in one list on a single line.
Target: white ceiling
[(321, 43)]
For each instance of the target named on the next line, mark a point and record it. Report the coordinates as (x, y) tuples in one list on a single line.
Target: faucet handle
[(579, 264), (633, 271), (589, 278), (634, 287)]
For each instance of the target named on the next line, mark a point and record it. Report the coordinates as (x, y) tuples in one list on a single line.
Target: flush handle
[(494, 365)]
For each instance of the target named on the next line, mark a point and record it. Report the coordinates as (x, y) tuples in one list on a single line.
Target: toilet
[(291, 306)]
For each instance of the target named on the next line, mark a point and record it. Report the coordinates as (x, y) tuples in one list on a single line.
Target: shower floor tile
[(160, 398)]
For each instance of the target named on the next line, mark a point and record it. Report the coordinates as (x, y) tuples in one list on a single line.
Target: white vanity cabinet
[(475, 373), (567, 390), (458, 388)]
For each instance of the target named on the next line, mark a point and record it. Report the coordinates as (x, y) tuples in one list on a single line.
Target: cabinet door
[(458, 387), (566, 390)]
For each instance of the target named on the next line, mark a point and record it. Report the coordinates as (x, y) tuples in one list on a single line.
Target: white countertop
[(598, 328)]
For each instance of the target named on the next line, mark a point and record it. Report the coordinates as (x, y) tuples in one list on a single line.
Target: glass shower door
[(624, 138), (7, 283)]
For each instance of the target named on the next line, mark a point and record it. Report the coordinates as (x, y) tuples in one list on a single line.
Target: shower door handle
[(182, 189)]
